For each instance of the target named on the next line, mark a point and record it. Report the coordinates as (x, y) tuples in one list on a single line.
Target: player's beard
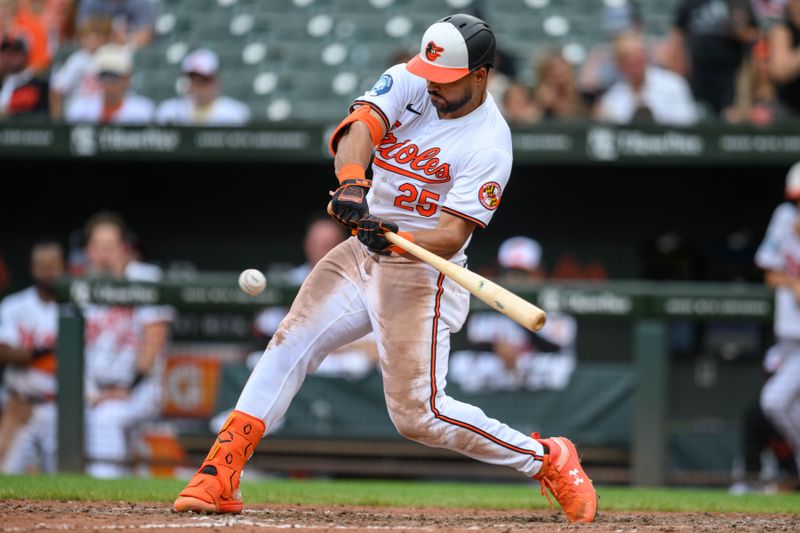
[(452, 107)]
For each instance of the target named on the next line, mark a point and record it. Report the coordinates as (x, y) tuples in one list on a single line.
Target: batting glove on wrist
[(349, 203), (371, 233)]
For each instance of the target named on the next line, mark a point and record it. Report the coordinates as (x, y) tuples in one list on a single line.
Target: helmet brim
[(437, 74)]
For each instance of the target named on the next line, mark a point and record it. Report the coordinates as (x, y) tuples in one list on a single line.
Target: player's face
[(106, 250), (458, 98), (114, 86), (47, 264), (202, 88)]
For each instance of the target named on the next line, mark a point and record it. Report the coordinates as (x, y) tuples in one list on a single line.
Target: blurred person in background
[(779, 256), (124, 352), (133, 21), (784, 61), (22, 92), (599, 71), (20, 18), (556, 91), (113, 64), (504, 355), (644, 93), (203, 105), (28, 332), (519, 106), (759, 435), (718, 35), (77, 78)]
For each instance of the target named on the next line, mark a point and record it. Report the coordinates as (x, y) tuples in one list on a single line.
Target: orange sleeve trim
[(468, 218), (375, 108), (362, 114), (396, 249)]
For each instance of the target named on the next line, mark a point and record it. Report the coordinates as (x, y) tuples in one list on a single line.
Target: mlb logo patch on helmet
[(453, 47)]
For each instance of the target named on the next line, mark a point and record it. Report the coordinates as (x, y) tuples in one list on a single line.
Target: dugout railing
[(649, 307)]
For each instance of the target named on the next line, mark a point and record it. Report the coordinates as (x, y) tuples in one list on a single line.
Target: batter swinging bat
[(520, 311)]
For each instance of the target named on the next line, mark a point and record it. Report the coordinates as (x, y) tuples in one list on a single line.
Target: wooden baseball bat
[(517, 309), (520, 311)]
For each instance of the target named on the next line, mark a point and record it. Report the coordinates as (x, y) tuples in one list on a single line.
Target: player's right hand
[(349, 204)]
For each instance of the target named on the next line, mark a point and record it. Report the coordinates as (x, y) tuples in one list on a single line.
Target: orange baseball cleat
[(563, 476), (215, 486)]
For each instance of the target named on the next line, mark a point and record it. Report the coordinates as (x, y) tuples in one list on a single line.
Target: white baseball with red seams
[(423, 167), (252, 282)]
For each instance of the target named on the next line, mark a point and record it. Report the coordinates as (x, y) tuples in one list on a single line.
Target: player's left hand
[(370, 233), (349, 203)]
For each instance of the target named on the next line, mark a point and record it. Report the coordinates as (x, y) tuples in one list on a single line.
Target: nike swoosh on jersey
[(413, 110)]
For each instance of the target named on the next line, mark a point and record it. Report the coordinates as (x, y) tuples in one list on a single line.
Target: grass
[(394, 493)]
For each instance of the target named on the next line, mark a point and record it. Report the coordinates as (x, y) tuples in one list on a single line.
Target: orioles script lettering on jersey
[(406, 152)]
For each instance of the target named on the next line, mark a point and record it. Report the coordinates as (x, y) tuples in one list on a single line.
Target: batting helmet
[(453, 47)]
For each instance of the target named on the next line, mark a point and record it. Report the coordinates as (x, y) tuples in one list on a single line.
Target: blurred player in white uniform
[(442, 157), (779, 256), (28, 331), (203, 105), (124, 352)]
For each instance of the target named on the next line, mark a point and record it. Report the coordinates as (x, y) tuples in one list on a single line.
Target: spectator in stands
[(519, 106), (133, 20), (77, 78), (204, 105), (17, 19), (124, 352), (114, 105), (784, 63), (779, 256), (599, 71), (505, 356), (556, 91), (718, 35), (28, 326), (22, 92), (644, 93)]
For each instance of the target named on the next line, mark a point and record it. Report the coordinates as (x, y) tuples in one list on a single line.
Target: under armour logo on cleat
[(577, 478)]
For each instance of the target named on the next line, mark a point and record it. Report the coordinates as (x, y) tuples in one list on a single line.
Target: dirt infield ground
[(17, 515)]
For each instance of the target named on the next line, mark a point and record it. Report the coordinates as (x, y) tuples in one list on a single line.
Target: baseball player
[(28, 325), (442, 157), (779, 256), (123, 352)]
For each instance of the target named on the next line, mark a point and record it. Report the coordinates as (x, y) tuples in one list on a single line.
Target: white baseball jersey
[(425, 166), (224, 111), (28, 322), (135, 110), (76, 78), (114, 333), (780, 251)]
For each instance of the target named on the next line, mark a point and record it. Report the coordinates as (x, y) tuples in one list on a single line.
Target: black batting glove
[(349, 203), (41, 351), (370, 233)]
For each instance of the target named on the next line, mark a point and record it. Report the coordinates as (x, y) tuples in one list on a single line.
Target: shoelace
[(547, 484)]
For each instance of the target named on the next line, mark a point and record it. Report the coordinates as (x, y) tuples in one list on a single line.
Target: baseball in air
[(252, 281)]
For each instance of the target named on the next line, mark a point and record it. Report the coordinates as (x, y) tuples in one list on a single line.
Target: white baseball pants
[(780, 397), (412, 309), (35, 443), (109, 427)]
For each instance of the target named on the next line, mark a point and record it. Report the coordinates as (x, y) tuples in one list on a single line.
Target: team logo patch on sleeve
[(382, 86), (489, 195)]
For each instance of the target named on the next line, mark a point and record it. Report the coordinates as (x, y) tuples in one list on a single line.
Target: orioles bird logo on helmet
[(432, 51)]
